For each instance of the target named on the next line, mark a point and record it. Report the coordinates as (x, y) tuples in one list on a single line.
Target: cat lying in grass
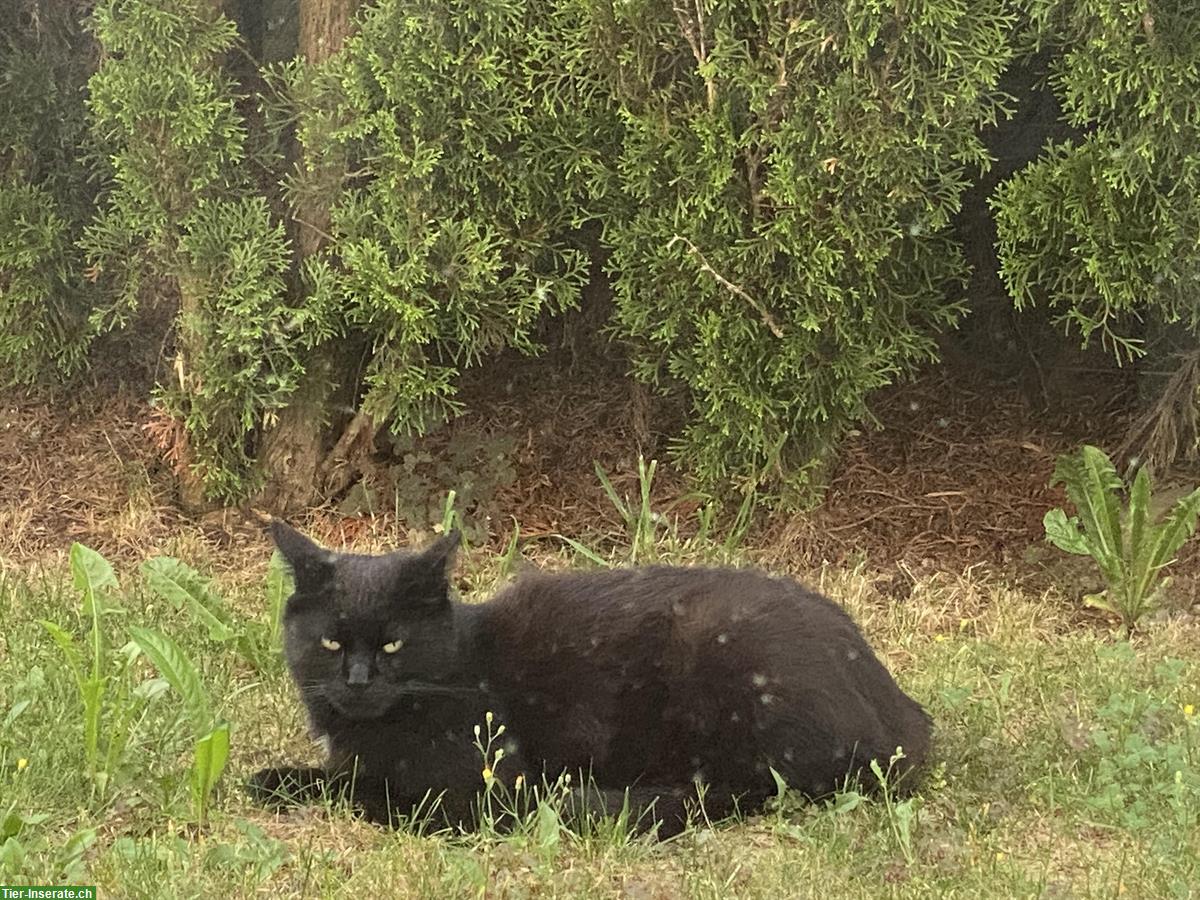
[(655, 687)]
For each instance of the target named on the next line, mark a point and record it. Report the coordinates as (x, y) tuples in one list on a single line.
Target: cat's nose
[(359, 674)]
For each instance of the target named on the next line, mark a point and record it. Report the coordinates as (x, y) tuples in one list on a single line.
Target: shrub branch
[(764, 314)]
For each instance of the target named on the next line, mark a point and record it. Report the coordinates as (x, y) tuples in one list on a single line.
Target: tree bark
[(293, 449)]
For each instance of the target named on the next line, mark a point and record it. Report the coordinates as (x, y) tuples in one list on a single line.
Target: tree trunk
[(294, 448)]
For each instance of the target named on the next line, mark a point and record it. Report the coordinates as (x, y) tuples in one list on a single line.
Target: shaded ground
[(956, 476)]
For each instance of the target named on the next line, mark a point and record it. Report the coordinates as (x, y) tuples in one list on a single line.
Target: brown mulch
[(957, 476), (79, 469), (568, 420)]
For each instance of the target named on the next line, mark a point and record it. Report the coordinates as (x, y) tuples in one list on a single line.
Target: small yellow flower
[(1189, 710), (520, 782), (488, 716), (940, 638), (1000, 856), (22, 764), (487, 773)]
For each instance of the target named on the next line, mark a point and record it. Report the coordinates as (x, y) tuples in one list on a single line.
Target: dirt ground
[(956, 476)]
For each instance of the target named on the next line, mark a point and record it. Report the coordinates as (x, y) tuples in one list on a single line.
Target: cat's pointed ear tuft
[(440, 555), (311, 563)]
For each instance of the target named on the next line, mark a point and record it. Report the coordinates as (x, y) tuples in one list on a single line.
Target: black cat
[(650, 684)]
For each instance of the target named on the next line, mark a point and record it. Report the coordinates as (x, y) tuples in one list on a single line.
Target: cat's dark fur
[(652, 679)]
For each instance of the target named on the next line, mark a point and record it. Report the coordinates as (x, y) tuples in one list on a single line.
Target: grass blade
[(279, 588), (614, 498), (512, 552), (450, 516), (643, 537), (66, 643), (585, 551), (742, 521)]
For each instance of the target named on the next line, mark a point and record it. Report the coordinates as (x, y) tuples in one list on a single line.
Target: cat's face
[(362, 632)]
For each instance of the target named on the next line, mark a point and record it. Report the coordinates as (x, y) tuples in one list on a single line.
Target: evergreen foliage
[(449, 231), (1105, 229), (775, 184), (44, 197), (781, 204), (179, 212)]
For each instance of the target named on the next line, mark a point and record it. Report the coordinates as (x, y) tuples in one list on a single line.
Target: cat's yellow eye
[(392, 646), (330, 645)]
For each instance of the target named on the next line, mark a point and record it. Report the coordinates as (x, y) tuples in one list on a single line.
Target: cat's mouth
[(374, 704), (359, 707)]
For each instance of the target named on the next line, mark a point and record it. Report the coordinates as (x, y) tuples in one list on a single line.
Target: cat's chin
[(359, 709)]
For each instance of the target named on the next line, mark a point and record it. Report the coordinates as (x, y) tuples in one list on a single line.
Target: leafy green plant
[(534, 815), (27, 854), (211, 750), (449, 237), (902, 815), (40, 322), (99, 673), (1129, 545), (183, 587), (45, 198), (181, 211), (1139, 746), (1101, 228), (113, 709), (476, 463)]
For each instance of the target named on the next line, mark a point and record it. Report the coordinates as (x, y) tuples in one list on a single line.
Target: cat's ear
[(311, 563), (427, 574), (420, 578), (439, 556)]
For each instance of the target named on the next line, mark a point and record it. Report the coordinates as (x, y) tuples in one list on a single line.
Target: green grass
[(1066, 766)]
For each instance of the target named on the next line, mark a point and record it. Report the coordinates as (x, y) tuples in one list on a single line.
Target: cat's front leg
[(285, 786), (290, 785)]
